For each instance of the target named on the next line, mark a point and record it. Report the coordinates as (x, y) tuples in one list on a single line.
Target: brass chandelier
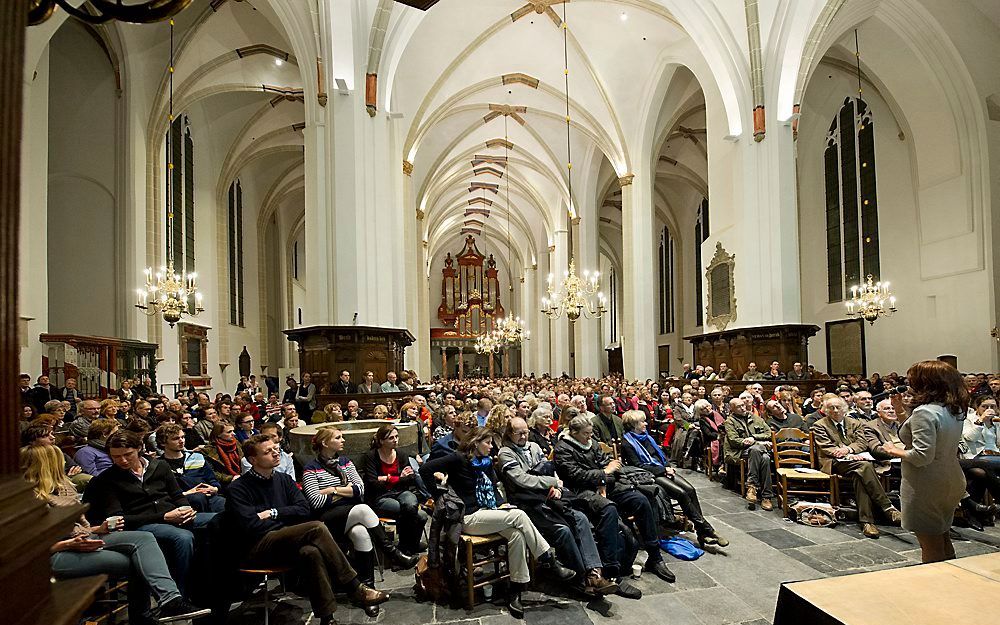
[(143, 12), (508, 331), (573, 297), (168, 293), (871, 301)]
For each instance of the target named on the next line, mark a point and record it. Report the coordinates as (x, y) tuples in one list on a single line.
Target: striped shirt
[(316, 477)]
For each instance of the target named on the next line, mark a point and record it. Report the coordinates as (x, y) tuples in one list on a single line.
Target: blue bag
[(681, 548)]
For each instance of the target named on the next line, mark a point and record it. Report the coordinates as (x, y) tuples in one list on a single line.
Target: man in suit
[(839, 441), (879, 431), (747, 436), (343, 385)]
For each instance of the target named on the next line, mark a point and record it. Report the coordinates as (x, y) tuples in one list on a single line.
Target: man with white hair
[(580, 403), (838, 438), (749, 438), (884, 429)]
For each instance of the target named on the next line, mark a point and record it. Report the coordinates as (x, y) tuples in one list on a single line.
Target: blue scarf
[(485, 495), (635, 440)]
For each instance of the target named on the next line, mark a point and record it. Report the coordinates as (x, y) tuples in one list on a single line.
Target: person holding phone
[(933, 482), (106, 549)]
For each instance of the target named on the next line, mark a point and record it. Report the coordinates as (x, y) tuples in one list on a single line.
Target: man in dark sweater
[(145, 493), (270, 515)]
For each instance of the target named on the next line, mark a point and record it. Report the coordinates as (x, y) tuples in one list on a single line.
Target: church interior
[(511, 202)]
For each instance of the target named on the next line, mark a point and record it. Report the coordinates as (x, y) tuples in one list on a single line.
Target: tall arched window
[(851, 206), (235, 223), (700, 236), (181, 195), (666, 267)]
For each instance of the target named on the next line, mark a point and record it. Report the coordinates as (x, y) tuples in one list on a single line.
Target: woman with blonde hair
[(105, 549), (109, 408), (336, 492)]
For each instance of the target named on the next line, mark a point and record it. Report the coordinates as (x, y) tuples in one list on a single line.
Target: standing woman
[(392, 487), (335, 492), (933, 482)]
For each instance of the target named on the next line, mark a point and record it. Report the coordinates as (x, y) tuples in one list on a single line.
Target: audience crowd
[(579, 475)]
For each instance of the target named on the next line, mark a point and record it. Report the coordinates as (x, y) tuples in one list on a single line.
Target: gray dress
[(933, 482)]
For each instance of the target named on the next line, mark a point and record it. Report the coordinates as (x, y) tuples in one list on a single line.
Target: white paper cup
[(636, 571), (115, 522)]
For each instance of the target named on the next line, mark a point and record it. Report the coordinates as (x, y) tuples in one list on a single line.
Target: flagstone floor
[(737, 585)]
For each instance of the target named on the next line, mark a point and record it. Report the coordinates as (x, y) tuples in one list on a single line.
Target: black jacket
[(251, 494), (371, 469), (339, 388), (117, 491), (581, 469), (461, 477)]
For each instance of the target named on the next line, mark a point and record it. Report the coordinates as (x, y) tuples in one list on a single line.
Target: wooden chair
[(472, 546), (792, 450), (111, 604), (267, 573)]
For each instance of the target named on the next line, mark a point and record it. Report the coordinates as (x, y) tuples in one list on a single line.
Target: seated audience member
[(192, 439), (471, 474), (343, 385), (640, 450), (864, 407), (110, 408), (778, 417), (590, 473), (381, 411), (540, 430), (838, 442), (190, 469), (775, 372), (245, 426), (43, 392), (332, 413), (272, 411), (877, 432), (444, 422), (394, 487), (812, 404), (224, 453), (145, 492), (40, 434), (533, 486), (93, 457), (405, 381), (286, 464), (979, 457), (725, 373), (290, 418), (210, 418), (369, 385), (449, 443), (354, 411), (89, 410), (607, 425), (389, 386), (335, 492), (105, 548), (749, 438), (269, 516), (751, 374), (797, 373)]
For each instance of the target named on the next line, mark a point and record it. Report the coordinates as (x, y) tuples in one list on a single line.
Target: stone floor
[(737, 585)]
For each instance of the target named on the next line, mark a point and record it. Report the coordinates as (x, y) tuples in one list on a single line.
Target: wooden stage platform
[(964, 591)]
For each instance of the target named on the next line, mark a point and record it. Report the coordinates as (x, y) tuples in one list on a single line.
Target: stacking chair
[(793, 450)]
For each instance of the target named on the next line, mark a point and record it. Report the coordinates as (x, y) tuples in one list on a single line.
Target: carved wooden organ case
[(470, 293)]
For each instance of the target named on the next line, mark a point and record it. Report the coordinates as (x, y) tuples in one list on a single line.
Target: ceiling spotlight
[(624, 16), (279, 62)]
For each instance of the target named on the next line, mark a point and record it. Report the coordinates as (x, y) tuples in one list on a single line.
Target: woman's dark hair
[(124, 439), (476, 436), (382, 433), (937, 382), (219, 427)]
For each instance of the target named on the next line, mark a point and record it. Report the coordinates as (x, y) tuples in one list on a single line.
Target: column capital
[(626, 180), (407, 168)]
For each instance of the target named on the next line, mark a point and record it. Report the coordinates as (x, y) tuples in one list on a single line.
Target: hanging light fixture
[(145, 12), (871, 301), (508, 331), (573, 297), (168, 293)]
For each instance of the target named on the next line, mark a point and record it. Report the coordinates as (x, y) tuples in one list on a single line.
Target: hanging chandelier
[(144, 12), (508, 331), (487, 344), (573, 296), (168, 293), (869, 301)]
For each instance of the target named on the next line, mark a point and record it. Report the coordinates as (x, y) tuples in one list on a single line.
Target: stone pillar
[(638, 310), (461, 363), (559, 263), (492, 359), (506, 363), (531, 315), (444, 363), (587, 332)]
